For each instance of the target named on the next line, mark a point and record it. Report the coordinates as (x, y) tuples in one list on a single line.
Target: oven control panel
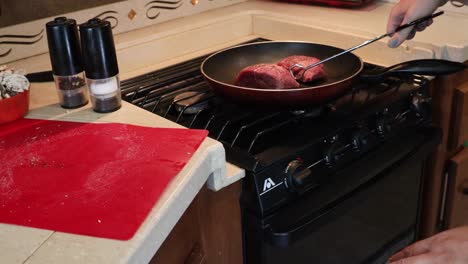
[(307, 169)]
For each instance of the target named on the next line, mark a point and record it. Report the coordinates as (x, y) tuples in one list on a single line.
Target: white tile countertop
[(164, 44)]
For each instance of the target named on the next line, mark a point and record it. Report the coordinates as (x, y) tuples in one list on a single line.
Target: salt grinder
[(100, 64), (65, 57)]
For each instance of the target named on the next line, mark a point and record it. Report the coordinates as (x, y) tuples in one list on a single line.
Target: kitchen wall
[(21, 11), (124, 15), (28, 18), (450, 6)]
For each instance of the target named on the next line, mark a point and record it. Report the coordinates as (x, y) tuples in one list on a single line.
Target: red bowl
[(14, 108)]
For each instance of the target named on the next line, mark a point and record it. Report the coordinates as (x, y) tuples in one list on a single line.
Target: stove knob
[(383, 125), (421, 105), (298, 175), (359, 140), (330, 155)]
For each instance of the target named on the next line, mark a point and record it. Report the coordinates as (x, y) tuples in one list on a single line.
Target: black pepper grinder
[(100, 63), (65, 57)]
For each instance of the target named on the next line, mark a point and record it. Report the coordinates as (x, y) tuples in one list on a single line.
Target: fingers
[(395, 18), (423, 259), (418, 248), (411, 34), (399, 16), (400, 36), (423, 25)]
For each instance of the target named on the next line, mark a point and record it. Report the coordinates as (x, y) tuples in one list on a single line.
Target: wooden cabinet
[(208, 232), (450, 112), (183, 241), (459, 127), (457, 191)]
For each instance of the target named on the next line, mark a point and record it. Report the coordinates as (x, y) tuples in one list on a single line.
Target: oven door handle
[(428, 138)]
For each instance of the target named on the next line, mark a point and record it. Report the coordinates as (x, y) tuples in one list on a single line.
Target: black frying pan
[(221, 69)]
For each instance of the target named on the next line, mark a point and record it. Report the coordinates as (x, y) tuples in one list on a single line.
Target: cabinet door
[(209, 232), (457, 198), (460, 117), (183, 241), (449, 106)]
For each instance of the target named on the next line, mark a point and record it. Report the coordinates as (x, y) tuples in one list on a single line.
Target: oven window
[(364, 228), (339, 223)]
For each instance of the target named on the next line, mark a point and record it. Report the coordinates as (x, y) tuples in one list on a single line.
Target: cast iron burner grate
[(252, 136)]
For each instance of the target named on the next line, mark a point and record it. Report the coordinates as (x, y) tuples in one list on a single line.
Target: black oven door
[(363, 214)]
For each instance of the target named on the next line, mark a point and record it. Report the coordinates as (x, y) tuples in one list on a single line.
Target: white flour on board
[(7, 186)]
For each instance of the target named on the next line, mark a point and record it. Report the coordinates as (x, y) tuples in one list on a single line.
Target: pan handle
[(431, 67)]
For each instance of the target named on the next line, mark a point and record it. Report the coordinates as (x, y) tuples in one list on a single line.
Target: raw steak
[(312, 74), (266, 76)]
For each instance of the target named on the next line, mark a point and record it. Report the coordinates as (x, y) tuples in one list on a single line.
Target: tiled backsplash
[(14, 12), (123, 15)]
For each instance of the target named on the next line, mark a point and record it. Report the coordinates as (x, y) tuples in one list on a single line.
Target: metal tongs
[(365, 43)]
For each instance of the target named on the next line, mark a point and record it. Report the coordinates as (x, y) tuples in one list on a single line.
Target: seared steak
[(266, 76), (312, 74)]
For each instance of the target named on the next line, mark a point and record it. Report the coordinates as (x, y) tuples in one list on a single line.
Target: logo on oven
[(268, 184)]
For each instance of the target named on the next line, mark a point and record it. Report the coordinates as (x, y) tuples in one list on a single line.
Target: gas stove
[(306, 164), (291, 144)]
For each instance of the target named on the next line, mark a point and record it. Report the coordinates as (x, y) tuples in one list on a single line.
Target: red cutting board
[(91, 179)]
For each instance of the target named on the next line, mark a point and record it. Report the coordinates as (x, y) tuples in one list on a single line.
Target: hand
[(406, 11), (449, 247)]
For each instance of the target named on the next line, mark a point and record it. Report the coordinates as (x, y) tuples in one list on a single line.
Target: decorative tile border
[(109, 16), (28, 39), (161, 4), (13, 40)]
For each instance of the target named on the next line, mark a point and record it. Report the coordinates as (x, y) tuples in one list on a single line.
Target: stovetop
[(286, 151), (256, 137)]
